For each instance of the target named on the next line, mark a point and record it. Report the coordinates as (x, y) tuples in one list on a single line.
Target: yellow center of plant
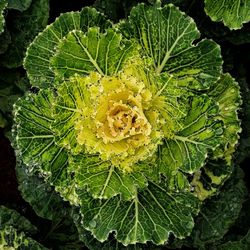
[(118, 121)]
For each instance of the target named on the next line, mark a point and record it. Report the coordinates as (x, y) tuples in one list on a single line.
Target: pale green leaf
[(37, 61), (211, 177), (200, 134), (66, 111), (3, 5), (20, 5), (232, 13), (82, 53), (226, 93), (151, 216)]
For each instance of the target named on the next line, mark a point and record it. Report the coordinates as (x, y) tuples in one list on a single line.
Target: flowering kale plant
[(134, 123)]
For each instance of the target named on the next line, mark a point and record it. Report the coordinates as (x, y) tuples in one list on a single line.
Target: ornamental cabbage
[(134, 123)]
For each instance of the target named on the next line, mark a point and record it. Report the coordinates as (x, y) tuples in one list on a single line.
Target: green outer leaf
[(20, 5), (25, 26), (153, 28), (200, 134), (37, 61), (103, 180), (111, 244), (35, 142), (197, 67), (166, 35), (220, 212), (150, 216), (3, 5), (232, 13), (226, 92), (82, 53)]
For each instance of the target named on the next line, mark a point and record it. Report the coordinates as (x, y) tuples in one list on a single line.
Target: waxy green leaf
[(82, 53), (35, 141), (151, 216), (187, 150)]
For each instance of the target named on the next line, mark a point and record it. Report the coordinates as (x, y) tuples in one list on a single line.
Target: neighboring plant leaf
[(23, 28), (3, 121), (37, 61), (20, 5), (244, 148), (3, 5), (10, 217), (13, 230), (133, 220), (41, 196), (232, 13)]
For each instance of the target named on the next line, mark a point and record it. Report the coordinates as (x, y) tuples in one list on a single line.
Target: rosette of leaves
[(14, 229), (126, 119)]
